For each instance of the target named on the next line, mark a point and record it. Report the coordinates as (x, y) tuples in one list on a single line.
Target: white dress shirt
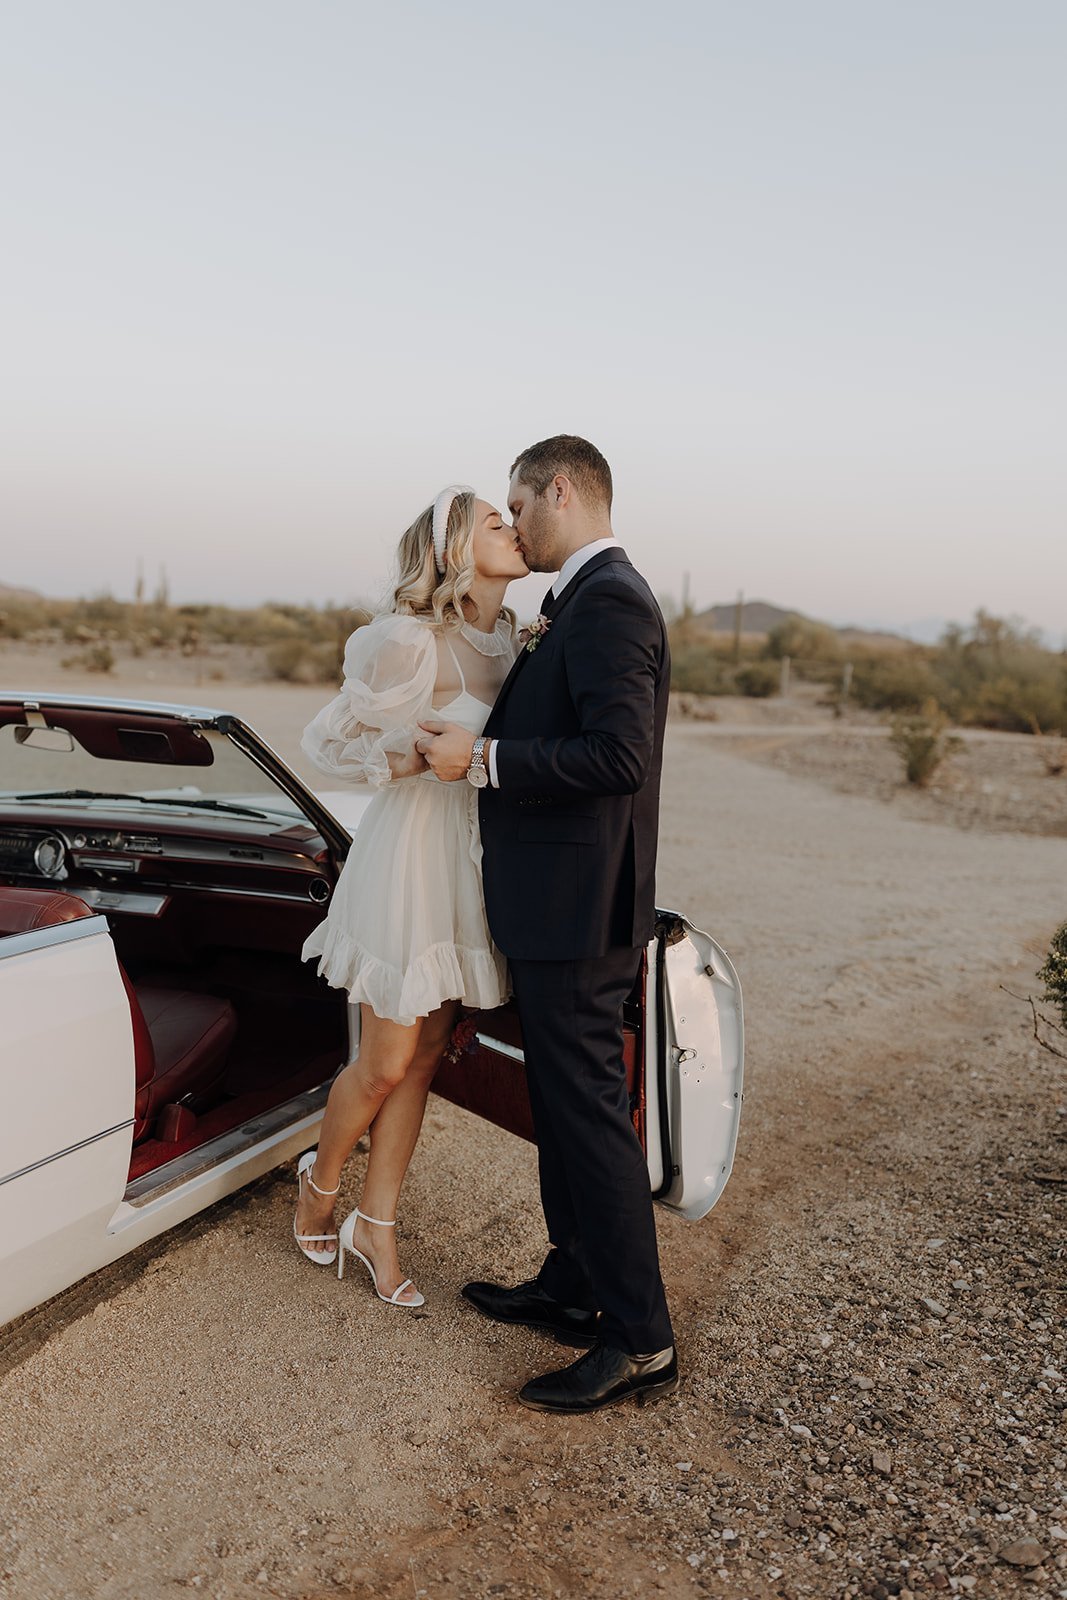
[(573, 565)]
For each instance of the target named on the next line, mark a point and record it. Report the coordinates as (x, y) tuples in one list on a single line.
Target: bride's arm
[(367, 732)]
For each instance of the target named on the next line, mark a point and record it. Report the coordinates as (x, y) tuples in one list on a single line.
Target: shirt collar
[(575, 562)]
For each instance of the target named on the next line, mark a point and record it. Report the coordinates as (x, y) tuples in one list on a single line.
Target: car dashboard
[(138, 870)]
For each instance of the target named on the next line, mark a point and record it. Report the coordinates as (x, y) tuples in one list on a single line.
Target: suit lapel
[(601, 559), (505, 687), (552, 610)]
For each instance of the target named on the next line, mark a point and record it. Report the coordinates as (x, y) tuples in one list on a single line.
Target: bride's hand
[(409, 765), (448, 748)]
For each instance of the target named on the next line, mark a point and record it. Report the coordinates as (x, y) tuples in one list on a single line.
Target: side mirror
[(44, 738)]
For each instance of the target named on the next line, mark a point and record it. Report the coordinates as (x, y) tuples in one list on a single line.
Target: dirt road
[(870, 1322)]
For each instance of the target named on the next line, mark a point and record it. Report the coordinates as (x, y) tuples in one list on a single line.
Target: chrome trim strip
[(229, 852), (134, 903), (249, 894), (59, 1154), (32, 701), (19, 944), (243, 1137), (502, 1049)]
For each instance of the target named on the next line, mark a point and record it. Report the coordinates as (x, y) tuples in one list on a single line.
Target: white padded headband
[(441, 507)]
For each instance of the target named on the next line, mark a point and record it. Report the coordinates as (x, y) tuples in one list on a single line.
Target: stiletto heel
[(345, 1242), (321, 1258)]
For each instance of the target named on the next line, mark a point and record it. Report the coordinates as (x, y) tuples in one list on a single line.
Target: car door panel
[(485, 1071), (683, 1047), (67, 1064), (694, 1103)]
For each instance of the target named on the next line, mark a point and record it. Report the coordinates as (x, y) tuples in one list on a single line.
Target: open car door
[(67, 1070), (683, 1045)]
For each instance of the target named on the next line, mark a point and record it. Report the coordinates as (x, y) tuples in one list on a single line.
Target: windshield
[(74, 776)]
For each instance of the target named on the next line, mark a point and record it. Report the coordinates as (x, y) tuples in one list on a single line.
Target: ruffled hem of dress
[(442, 972)]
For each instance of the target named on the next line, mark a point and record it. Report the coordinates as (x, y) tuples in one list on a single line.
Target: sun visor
[(122, 735)]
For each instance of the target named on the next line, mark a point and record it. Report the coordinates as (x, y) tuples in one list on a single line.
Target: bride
[(406, 932)]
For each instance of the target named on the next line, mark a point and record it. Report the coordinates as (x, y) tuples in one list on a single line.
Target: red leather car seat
[(190, 1036), (181, 1038), (26, 910)]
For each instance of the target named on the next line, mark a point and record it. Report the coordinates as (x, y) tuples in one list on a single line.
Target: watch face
[(478, 777)]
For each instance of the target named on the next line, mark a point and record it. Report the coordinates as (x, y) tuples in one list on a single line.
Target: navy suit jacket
[(569, 838)]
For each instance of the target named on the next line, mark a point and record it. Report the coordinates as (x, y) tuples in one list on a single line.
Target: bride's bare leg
[(386, 1051), (393, 1136)]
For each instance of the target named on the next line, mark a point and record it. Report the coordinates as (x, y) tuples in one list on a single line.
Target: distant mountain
[(7, 592), (757, 616), (760, 616)]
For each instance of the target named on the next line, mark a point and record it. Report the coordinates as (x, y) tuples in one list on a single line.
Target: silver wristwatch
[(476, 773)]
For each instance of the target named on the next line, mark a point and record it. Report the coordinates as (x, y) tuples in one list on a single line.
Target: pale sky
[(275, 271)]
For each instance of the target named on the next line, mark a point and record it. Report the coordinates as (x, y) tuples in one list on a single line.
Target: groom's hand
[(448, 749)]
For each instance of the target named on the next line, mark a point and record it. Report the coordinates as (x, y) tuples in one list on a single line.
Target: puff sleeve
[(390, 671)]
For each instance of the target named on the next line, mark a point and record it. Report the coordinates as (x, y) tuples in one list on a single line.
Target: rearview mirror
[(44, 738)]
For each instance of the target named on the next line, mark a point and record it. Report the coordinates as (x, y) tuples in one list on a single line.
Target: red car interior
[(227, 1021), (181, 1039), (492, 1083), (27, 910)]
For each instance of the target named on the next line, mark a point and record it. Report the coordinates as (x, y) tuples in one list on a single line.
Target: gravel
[(994, 782), (870, 1322)]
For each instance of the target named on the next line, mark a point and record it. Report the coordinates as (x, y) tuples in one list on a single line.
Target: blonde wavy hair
[(422, 591)]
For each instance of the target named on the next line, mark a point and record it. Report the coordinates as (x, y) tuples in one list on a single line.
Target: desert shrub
[(997, 674), (697, 668), (896, 683), (97, 657), (1032, 688), (695, 706), (1054, 972), (1052, 750), (297, 661), (803, 640), (758, 679), (103, 611), (922, 742), (272, 622)]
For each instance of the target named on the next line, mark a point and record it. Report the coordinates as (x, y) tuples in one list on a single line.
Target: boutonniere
[(531, 637)]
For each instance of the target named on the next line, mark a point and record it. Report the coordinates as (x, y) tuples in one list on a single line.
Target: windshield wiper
[(211, 805), (75, 794), (147, 800)]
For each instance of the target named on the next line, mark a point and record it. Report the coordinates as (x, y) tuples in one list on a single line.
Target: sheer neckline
[(489, 644)]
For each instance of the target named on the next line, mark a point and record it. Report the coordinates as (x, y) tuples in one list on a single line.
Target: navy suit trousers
[(594, 1180)]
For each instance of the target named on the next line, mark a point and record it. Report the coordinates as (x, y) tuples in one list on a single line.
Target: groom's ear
[(562, 491)]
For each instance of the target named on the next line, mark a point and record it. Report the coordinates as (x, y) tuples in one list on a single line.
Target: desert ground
[(870, 1322)]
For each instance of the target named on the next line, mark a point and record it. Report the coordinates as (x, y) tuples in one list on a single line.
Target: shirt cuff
[(493, 779)]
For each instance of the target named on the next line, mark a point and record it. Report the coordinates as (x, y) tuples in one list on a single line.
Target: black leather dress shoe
[(602, 1378), (529, 1306)]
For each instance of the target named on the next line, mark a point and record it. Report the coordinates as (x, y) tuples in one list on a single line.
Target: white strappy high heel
[(345, 1242), (321, 1258)]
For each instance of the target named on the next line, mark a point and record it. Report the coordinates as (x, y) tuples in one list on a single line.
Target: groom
[(569, 820)]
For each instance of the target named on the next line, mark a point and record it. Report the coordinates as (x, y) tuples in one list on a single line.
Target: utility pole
[(739, 607)]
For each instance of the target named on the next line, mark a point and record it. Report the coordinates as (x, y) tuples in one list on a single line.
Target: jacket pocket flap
[(554, 829)]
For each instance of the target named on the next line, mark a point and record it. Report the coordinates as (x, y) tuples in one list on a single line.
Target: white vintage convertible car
[(161, 1042)]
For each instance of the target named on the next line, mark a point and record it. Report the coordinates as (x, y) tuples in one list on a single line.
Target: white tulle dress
[(406, 927)]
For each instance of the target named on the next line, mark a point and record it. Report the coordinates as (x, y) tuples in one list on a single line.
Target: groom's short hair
[(575, 458)]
